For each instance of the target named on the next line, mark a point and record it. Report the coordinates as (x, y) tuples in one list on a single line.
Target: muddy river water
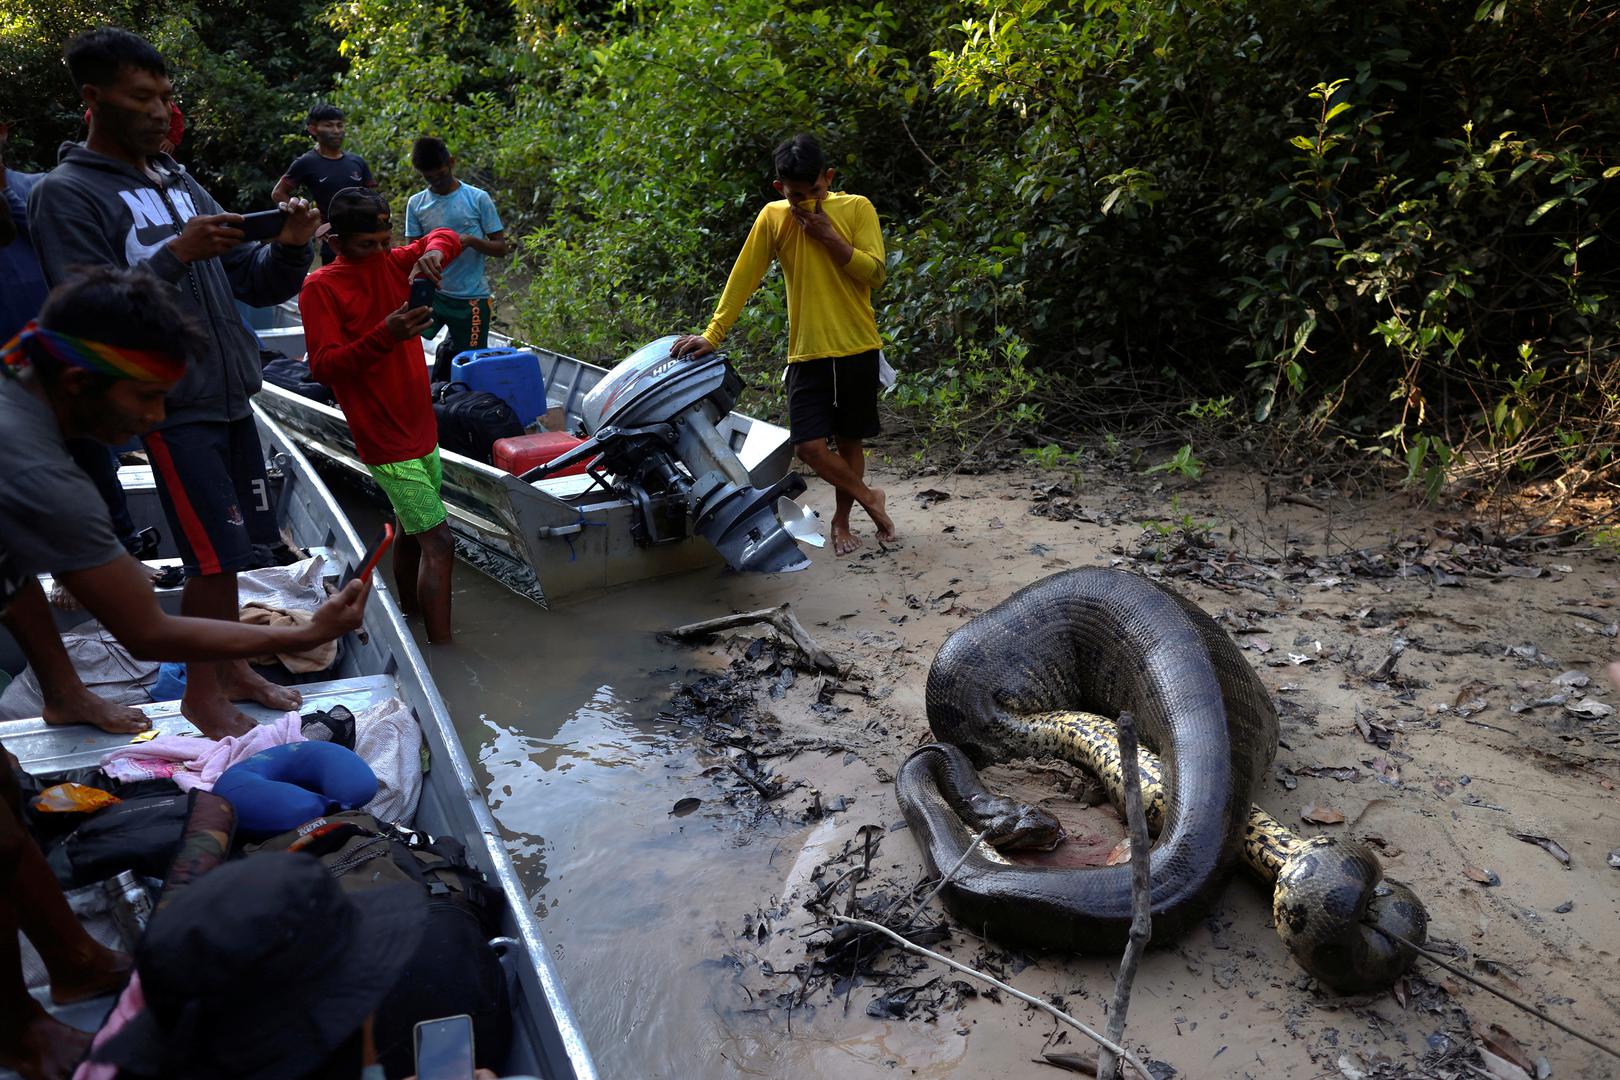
[(557, 709)]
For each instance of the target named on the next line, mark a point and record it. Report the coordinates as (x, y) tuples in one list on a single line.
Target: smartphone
[(264, 225), (374, 555), (422, 290), (444, 1048)]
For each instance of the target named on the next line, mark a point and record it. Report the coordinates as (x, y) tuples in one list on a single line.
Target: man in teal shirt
[(462, 302)]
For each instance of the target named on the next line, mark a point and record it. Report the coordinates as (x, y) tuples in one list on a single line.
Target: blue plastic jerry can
[(513, 375)]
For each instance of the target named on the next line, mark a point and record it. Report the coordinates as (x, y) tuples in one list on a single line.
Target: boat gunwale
[(448, 748)]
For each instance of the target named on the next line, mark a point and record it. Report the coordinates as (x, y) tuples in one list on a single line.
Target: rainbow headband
[(114, 361)]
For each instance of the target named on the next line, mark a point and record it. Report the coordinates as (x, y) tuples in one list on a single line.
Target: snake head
[(1010, 824), (1331, 904)]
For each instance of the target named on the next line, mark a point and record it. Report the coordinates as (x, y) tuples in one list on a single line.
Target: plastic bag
[(73, 799)]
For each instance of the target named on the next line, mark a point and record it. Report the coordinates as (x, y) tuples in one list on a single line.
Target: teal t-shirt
[(469, 211)]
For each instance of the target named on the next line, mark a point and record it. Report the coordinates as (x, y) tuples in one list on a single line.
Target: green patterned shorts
[(412, 488)]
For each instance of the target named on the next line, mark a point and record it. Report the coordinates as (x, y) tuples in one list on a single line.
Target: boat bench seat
[(47, 749)]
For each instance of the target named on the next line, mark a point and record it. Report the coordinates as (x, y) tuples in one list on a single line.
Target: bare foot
[(238, 681), (100, 971), (83, 707), (41, 1047), (845, 540), (885, 527), (214, 716)]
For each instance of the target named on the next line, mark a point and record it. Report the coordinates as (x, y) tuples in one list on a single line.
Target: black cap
[(262, 968), (358, 210)]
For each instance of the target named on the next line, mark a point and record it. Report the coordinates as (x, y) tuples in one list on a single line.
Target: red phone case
[(374, 556)]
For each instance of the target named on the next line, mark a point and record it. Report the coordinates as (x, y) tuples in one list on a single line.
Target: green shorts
[(412, 488)]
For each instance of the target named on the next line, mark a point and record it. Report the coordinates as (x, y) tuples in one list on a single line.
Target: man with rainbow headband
[(98, 363)]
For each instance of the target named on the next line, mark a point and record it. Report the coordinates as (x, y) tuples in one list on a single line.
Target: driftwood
[(1141, 897), (781, 618)]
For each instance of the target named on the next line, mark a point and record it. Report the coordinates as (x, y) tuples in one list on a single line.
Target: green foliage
[(244, 73), (1181, 463), (1388, 225), (1607, 538), (1185, 530), (983, 392), (1050, 456), (1427, 462)]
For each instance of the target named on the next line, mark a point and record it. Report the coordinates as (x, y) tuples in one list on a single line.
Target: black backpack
[(470, 421), (294, 375), (454, 969), (362, 852)]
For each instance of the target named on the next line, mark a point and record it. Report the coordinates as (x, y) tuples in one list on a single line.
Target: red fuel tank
[(520, 454)]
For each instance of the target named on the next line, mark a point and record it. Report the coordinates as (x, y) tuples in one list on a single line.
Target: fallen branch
[(1305, 501), (1044, 1006), (1141, 895), (785, 623), (766, 791)]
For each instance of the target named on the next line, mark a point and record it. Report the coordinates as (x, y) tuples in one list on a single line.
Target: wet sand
[(678, 936)]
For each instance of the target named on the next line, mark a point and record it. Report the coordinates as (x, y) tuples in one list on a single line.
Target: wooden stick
[(929, 899), (782, 618), (1305, 501), (765, 792), (1141, 895), (1504, 995), (1044, 1006)]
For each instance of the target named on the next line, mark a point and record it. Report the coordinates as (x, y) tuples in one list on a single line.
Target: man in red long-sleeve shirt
[(365, 342)]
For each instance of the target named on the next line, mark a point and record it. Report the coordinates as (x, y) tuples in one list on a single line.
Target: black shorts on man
[(834, 397), (210, 479)]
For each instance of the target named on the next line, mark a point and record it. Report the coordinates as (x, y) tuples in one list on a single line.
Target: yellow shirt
[(829, 306)]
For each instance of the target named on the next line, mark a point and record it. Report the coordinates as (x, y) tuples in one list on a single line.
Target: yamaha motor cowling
[(653, 424)]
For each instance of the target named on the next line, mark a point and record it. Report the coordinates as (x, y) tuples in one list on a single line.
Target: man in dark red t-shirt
[(365, 342)]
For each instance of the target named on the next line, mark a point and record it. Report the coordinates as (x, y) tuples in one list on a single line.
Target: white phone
[(444, 1048)]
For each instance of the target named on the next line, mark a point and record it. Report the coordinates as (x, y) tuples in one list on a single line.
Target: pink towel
[(130, 1003), (195, 762)]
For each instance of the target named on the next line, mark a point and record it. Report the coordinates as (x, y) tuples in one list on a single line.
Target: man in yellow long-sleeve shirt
[(831, 250)]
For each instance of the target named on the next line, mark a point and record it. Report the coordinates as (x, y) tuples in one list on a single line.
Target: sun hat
[(262, 968)]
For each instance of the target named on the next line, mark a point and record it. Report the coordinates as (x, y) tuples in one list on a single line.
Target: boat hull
[(382, 661)]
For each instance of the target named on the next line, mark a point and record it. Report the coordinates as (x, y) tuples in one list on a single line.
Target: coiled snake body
[(1028, 677)]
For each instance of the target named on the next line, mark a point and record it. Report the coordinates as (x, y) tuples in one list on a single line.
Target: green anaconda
[(1027, 678)]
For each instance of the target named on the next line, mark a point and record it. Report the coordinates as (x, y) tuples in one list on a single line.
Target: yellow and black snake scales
[(1029, 677)]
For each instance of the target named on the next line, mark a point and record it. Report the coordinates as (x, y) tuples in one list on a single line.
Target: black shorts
[(210, 478), (834, 397)]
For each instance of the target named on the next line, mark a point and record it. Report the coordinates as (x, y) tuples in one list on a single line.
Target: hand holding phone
[(373, 555), (406, 322), (444, 1048), (264, 225), (422, 292)]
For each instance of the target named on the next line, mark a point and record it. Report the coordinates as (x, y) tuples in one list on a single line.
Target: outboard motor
[(653, 422)]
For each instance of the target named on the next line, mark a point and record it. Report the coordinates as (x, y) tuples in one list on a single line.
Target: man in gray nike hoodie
[(116, 199)]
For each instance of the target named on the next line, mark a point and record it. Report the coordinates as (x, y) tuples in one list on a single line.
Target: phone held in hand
[(422, 292), (264, 225), (444, 1048), (373, 556)]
